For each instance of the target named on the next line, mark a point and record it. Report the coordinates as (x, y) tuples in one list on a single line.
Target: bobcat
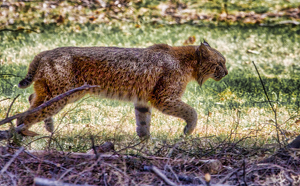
[(149, 77)]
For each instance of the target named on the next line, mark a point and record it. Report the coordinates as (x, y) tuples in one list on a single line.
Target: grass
[(233, 108)]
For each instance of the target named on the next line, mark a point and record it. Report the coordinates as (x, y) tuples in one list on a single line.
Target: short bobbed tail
[(33, 67), (25, 83)]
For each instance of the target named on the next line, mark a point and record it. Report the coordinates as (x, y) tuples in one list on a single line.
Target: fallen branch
[(48, 103), (47, 182)]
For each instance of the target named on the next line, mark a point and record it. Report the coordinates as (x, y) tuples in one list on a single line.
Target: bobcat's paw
[(145, 137), (49, 124), (27, 132), (188, 131)]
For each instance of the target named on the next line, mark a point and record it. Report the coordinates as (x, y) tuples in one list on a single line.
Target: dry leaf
[(253, 51), (60, 19), (190, 40), (92, 18), (207, 177), (209, 114)]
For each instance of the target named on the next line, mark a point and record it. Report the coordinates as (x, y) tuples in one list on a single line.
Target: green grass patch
[(234, 107)]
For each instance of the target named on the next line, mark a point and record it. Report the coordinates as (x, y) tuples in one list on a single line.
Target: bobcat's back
[(122, 73)]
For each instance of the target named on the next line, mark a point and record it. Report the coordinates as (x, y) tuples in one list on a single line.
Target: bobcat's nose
[(226, 72)]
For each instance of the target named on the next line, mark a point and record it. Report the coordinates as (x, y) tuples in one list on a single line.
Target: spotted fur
[(149, 77)]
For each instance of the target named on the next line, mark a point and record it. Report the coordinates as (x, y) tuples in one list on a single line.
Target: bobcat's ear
[(204, 50), (205, 43)]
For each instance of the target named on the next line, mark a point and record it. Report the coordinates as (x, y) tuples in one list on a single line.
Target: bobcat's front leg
[(179, 109), (143, 119)]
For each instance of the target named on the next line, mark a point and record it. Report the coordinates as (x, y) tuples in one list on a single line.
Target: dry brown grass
[(183, 163)]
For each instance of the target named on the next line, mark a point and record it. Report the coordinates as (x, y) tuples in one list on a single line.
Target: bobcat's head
[(211, 64)]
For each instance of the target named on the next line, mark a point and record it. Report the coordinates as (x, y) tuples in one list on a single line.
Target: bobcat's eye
[(220, 64)]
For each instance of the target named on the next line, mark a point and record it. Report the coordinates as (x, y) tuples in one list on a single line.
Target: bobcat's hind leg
[(48, 123), (179, 109), (41, 95), (143, 119)]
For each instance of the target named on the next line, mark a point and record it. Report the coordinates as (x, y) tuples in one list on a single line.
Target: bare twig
[(67, 112), (132, 146), (172, 171), (43, 137), (275, 113), (263, 87), (4, 99), (93, 147), (7, 114), (65, 173), (288, 178), (11, 160)]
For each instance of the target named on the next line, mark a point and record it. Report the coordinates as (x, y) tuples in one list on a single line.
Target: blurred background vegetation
[(264, 31)]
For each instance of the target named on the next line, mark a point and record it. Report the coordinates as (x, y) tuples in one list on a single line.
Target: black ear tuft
[(205, 43)]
